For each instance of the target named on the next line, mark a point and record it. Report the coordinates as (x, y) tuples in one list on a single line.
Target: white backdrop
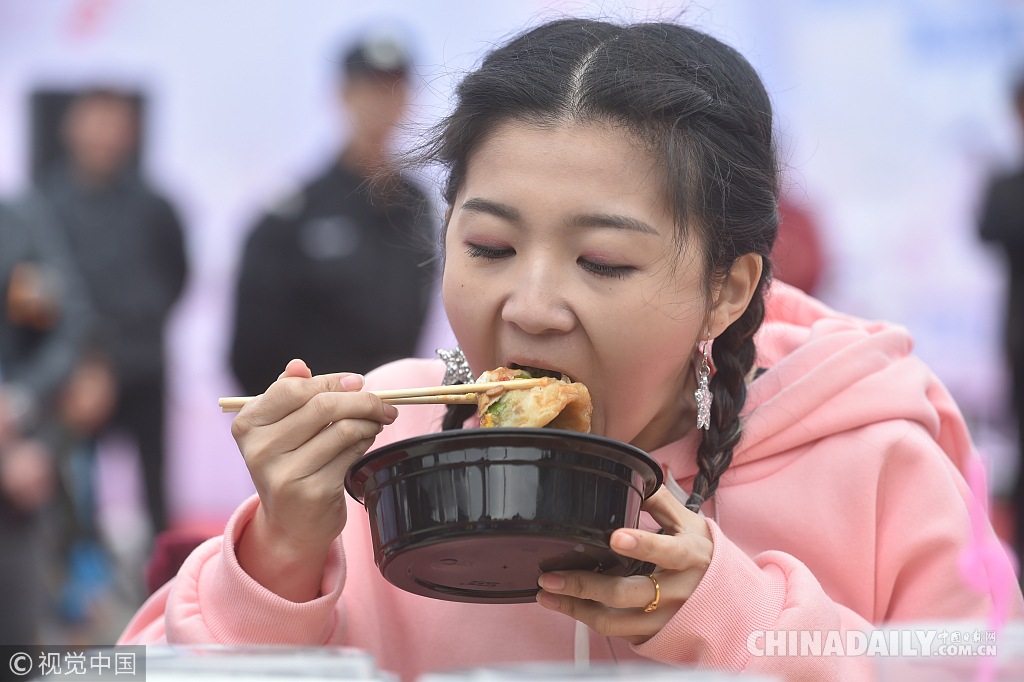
[(893, 113)]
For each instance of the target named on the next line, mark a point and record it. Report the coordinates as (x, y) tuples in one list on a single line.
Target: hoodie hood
[(827, 373)]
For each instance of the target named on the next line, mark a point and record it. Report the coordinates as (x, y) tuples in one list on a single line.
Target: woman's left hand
[(614, 606)]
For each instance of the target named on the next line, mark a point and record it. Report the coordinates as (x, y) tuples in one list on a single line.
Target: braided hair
[(700, 110)]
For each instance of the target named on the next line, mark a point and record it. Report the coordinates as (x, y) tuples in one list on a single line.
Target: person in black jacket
[(1002, 222), (44, 320), (128, 245), (340, 274)]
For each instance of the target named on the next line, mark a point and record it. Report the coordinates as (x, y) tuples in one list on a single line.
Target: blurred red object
[(798, 257), (170, 549), (1003, 520), (87, 17)]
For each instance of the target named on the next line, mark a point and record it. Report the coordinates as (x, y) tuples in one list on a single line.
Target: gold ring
[(657, 594)]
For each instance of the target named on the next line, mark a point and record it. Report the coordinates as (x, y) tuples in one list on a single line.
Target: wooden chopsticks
[(462, 394)]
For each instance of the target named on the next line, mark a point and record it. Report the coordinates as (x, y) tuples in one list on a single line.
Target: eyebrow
[(493, 208), (512, 215), (617, 221)]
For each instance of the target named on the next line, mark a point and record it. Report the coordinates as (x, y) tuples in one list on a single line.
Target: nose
[(537, 302)]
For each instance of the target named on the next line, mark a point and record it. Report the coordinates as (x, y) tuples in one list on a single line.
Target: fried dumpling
[(559, 403)]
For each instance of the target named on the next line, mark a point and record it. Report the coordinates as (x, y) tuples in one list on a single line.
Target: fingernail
[(548, 601), (353, 382), (391, 411), (623, 541), (551, 581)]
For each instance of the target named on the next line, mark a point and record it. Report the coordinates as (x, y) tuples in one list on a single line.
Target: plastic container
[(905, 659), (555, 672), (477, 515), (213, 663)]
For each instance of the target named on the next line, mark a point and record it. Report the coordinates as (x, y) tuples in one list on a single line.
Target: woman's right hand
[(299, 440)]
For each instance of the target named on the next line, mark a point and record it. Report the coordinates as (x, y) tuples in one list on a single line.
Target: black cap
[(377, 54)]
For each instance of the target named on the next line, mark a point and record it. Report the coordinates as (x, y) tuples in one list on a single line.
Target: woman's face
[(561, 254)]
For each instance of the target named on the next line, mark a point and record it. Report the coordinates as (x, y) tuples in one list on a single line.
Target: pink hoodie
[(844, 508)]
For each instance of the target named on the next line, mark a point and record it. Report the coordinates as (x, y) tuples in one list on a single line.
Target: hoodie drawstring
[(581, 646), (581, 641)]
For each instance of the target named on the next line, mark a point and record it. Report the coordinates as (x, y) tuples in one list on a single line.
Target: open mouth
[(537, 372)]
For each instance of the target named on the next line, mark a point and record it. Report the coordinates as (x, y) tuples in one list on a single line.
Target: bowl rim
[(625, 451)]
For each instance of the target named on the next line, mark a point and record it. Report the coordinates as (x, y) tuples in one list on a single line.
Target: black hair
[(702, 112), (376, 58)]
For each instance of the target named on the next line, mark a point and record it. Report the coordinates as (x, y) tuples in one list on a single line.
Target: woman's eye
[(474, 251), (620, 271)]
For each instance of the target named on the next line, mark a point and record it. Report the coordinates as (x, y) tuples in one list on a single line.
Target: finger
[(668, 511), (614, 591), (633, 625), (673, 516), (292, 391), (321, 410), (289, 393), (316, 471), (296, 368), (336, 469), (674, 552), (339, 440)]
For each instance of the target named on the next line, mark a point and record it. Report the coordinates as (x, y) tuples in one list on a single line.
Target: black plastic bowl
[(477, 515)]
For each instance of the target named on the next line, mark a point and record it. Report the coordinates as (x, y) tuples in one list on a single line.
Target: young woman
[(611, 207)]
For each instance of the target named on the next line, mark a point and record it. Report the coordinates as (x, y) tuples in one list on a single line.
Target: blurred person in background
[(1002, 222), (44, 322), (128, 244), (341, 273)]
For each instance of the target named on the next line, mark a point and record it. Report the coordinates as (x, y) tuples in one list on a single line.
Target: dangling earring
[(703, 393), (458, 371)]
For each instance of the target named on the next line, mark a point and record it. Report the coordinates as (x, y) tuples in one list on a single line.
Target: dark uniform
[(339, 275), (1002, 222), (129, 247)]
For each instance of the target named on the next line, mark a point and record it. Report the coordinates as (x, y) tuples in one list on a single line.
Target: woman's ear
[(734, 296)]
